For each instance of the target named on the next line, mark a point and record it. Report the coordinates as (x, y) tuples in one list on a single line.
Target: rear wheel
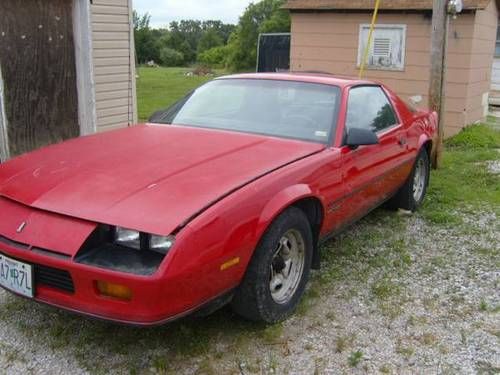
[(279, 270), (411, 196)]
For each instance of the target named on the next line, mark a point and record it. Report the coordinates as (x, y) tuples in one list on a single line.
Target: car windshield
[(288, 109)]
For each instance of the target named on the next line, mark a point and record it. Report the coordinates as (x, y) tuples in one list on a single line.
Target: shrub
[(214, 57), (171, 57)]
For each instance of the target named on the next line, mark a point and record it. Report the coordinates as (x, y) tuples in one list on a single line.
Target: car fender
[(284, 199), (422, 140)]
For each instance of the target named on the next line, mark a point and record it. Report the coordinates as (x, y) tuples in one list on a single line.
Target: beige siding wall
[(482, 50), (114, 64), (485, 33), (329, 42)]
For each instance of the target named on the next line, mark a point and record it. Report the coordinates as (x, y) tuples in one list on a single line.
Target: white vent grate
[(387, 48), (382, 47)]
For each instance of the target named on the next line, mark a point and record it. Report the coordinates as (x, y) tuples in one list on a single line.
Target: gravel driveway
[(395, 295)]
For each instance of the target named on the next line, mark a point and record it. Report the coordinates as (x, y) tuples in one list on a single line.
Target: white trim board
[(4, 137), (82, 35), (132, 68)]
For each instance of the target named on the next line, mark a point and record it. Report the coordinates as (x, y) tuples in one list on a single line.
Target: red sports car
[(222, 198)]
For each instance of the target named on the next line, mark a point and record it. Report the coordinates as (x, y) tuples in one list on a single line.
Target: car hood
[(151, 178)]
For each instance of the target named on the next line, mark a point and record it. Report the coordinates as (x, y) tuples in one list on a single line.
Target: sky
[(164, 11)]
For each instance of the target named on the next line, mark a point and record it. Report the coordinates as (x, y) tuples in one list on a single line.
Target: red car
[(222, 198)]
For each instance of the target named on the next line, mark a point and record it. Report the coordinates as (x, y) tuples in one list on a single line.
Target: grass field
[(158, 88)]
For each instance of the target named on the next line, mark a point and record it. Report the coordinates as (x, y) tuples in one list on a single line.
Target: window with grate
[(387, 49)]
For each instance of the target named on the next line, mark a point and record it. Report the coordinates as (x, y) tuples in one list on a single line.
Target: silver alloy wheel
[(287, 267), (419, 180)]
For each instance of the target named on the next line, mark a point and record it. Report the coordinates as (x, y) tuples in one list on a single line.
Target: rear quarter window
[(369, 108)]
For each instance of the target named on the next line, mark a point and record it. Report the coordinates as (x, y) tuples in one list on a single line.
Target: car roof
[(309, 77)]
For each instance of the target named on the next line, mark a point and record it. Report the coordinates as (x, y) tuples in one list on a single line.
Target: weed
[(160, 364), (385, 369), (272, 334), (343, 342), (330, 315), (308, 300), (427, 339), (463, 337), (355, 358), (206, 367), (406, 351), (385, 288)]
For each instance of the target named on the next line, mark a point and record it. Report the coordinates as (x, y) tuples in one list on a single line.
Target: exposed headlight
[(161, 244), (128, 238), (143, 241), (123, 250)]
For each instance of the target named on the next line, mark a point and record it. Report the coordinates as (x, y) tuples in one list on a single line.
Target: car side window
[(369, 108)]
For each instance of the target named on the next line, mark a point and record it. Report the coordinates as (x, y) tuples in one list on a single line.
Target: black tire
[(253, 299), (405, 198)]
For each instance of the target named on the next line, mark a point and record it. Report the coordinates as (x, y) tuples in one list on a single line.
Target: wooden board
[(37, 60)]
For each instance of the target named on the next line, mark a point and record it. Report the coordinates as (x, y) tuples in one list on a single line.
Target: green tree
[(141, 22), (263, 17), (146, 47), (209, 39), (224, 30), (185, 36)]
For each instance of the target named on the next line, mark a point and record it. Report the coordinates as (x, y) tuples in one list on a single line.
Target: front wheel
[(411, 196), (279, 270)]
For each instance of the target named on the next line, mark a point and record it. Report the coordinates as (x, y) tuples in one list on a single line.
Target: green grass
[(477, 136), (464, 181), (158, 88)]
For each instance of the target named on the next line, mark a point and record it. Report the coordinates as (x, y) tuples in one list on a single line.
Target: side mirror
[(360, 137)]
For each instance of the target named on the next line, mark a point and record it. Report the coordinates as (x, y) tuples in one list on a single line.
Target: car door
[(372, 173)]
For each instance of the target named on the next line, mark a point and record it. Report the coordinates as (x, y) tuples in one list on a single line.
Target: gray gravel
[(444, 318)]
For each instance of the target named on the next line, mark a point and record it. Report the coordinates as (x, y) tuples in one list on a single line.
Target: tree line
[(211, 43)]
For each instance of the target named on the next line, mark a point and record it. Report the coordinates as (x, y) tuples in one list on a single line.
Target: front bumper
[(188, 278), (63, 283)]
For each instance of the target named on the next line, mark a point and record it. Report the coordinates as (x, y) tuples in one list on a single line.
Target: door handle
[(402, 142)]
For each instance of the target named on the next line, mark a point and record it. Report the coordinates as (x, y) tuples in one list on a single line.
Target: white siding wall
[(114, 64)]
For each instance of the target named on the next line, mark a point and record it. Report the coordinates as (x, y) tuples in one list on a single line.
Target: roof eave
[(392, 5)]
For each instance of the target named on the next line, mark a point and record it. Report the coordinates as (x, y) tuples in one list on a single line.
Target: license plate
[(16, 276)]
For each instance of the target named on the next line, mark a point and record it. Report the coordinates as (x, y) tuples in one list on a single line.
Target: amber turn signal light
[(114, 290)]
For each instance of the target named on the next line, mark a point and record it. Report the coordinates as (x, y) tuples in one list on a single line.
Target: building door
[(38, 74)]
